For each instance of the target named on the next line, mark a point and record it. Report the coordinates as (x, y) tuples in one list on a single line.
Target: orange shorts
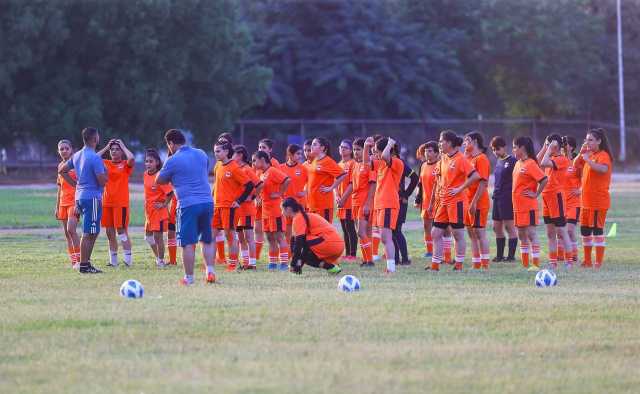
[(273, 224), (156, 225), (593, 217), (224, 218), (329, 250), (246, 215), (326, 213), (386, 218), (452, 214), (553, 205), (478, 219), (172, 212), (425, 215), (573, 214), (65, 213), (526, 218), (258, 212), (358, 214), (345, 213), (116, 217)]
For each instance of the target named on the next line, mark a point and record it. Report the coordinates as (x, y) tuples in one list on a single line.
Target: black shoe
[(367, 264), (509, 259), (89, 269), (498, 259), (405, 262)]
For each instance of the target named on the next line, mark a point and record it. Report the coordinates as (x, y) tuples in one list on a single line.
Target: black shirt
[(503, 177)]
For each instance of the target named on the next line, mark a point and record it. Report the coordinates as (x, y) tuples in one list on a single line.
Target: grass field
[(276, 332)]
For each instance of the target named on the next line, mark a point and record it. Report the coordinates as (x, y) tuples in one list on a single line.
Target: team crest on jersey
[(506, 164), (318, 167), (227, 174), (298, 172), (452, 165), (523, 170)]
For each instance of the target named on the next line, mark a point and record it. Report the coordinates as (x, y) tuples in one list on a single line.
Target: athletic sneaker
[(248, 267), (568, 265), (335, 270), (89, 269), (76, 266), (110, 264), (185, 282), (533, 268), (230, 268), (427, 255), (432, 267), (272, 266), (283, 267), (128, 264), (498, 259), (161, 264), (367, 264), (509, 259), (211, 278), (405, 262)]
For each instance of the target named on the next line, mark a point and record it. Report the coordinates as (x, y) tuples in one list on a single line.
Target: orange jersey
[(481, 165), (321, 235), (556, 175), (229, 183), (274, 162), (388, 184), (116, 191), (272, 178), (526, 176), (322, 172), (298, 175), (573, 181), (453, 172), (253, 177), (67, 192), (347, 166), (361, 177), (428, 179), (154, 193), (595, 186)]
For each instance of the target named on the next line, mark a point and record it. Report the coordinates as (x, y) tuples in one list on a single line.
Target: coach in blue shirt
[(188, 171), (92, 177)]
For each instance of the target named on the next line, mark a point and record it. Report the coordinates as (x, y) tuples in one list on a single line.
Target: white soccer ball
[(131, 289), (349, 283), (546, 278)]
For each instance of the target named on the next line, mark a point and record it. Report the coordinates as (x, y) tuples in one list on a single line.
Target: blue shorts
[(193, 224), (90, 211), (502, 209)]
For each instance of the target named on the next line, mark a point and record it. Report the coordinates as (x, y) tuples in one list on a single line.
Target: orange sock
[(76, 253), (232, 263), (258, 249), (560, 254), (553, 257), (587, 245), (220, 249), (484, 260), (459, 262), (171, 245), (71, 254), (284, 255), (600, 246), (535, 254), (376, 244), (524, 254), (428, 243), (574, 252), (446, 248), (367, 250), (273, 257)]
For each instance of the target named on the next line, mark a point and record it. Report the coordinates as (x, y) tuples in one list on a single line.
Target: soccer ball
[(546, 278), (131, 289), (349, 283)]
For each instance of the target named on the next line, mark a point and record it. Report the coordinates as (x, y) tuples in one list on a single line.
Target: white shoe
[(161, 264), (76, 266)]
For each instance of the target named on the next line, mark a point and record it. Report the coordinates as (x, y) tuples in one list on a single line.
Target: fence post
[(242, 133), (302, 131), (363, 128)]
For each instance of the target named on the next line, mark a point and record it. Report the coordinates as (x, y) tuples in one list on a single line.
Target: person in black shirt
[(502, 214), (404, 192)]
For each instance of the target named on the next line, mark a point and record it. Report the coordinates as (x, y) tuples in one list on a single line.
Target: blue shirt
[(503, 177), (88, 166), (188, 172)]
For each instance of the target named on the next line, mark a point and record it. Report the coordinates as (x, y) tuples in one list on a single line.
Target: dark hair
[(570, 145), (381, 143), (226, 136), (431, 144), (350, 143), (452, 137), (557, 138), (498, 142), (154, 153), (478, 138), (226, 146), (291, 202), (376, 137), (88, 133), (307, 142), (65, 141), (325, 144), (292, 149), (268, 142), (528, 146), (175, 136), (358, 142), (600, 134), (243, 151), (262, 155)]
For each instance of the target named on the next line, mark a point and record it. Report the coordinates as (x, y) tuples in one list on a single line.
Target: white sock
[(391, 265), (114, 257), (127, 256), (252, 261)]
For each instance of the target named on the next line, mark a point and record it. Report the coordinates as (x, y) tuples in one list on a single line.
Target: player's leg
[(428, 240), (151, 241), (159, 238), (68, 239), (532, 236), (501, 241), (258, 237), (91, 211), (113, 246), (273, 250), (475, 247), (512, 233), (437, 235), (552, 242), (72, 225)]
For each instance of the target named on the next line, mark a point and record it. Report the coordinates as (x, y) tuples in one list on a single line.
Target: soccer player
[(476, 218), (502, 213), (92, 176), (66, 206), (156, 200), (572, 191), (246, 214), (324, 177), (187, 169), (274, 185), (220, 237), (528, 183), (115, 203), (404, 192), (171, 233), (344, 203), (317, 243), (456, 175), (297, 172), (231, 188), (363, 185), (386, 200), (264, 145), (555, 165), (596, 162), (430, 156)]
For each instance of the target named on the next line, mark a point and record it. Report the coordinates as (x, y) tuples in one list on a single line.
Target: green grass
[(275, 332)]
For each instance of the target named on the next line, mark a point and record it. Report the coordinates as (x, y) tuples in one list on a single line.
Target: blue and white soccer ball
[(131, 289), (348, 284), (546, 278)]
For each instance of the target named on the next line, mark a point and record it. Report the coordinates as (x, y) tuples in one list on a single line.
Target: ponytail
[(601, 135), (477, 137), (291, 202), (527, 143), (452, 137)]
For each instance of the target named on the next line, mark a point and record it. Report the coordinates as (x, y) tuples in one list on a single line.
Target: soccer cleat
[(221, 261), (426, 255), (272, 266), (597, 266), (230, 268), (76, 266), (585, 265), (161, 264), (477, 266), (457, 267), (89, 269), (433, 267), (110, 264), (128, 264), (533, 268), (388, 272), (367, 264), (248, 267), (509, 259), (568, 265), (283, 267), (211, 278), (185, 282), (485, 266), (405, 262), (498, 259), (334, 270)]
